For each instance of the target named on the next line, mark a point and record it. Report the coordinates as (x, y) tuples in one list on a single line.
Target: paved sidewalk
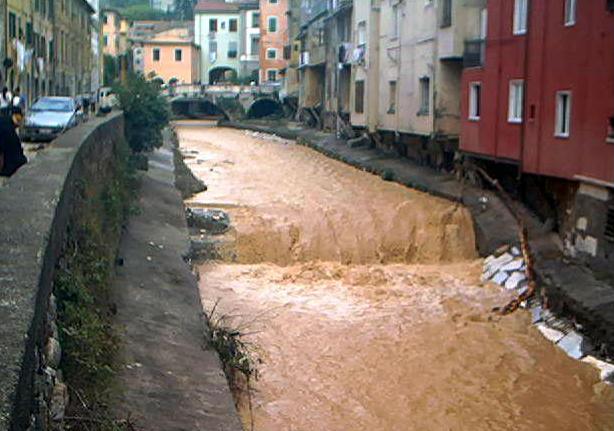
[(170, 380)]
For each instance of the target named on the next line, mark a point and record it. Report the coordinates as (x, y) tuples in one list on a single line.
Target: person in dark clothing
[(11, 153)]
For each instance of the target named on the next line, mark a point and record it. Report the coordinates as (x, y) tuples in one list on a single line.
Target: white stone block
[(514, 265), (500, 277), (574, 344), (549, 333), (515, 280)]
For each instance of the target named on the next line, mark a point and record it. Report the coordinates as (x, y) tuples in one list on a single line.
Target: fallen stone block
[(536, 314), (214, 221), (495, 265), (514, 265), (549, 333), (515, 280), (500, 278), (574, 344)]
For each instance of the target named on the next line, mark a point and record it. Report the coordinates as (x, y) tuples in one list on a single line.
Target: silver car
[(48, 118)]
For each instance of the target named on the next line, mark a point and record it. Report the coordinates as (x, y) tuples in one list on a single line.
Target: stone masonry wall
[(36, 205)]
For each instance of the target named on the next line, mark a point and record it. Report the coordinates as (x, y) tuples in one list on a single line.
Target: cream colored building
[(411, 73)]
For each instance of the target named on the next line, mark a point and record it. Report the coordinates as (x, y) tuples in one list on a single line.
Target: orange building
[(114, 33), (172, 54), (274, 38)]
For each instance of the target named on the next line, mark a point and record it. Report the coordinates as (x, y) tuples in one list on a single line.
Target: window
[(271, 53), (395, 21), (212, 25), (563, 114), (223, 25), (12, 25), (255, 47), (232, 49), (232, 25), (255, 20), (287, 52), (359, 97), (516, 100), (271, 75), (178, 55), (570, 12), (362, 33), (105, 19), (273, 1), (106, 40), (156, 54), (475, 96), (213, 47), (520, 16), (392, 97), (446, 13), (483, 23), (425, 96), (272, 24)]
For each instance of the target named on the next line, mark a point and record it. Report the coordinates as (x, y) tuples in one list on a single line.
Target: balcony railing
[(475, 53)]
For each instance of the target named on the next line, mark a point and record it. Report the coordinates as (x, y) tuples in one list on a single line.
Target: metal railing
[(475, 53)]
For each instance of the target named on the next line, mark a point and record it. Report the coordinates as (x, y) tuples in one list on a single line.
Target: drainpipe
[(399, 60), (525, 98)]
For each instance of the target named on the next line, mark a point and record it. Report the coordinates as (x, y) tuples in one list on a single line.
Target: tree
[(146, 112), (110, 70), (184, 10), (141, 12)]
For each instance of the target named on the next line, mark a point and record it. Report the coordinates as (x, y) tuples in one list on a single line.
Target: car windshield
[(56, 105)]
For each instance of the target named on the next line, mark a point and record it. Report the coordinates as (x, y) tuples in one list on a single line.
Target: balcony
[(475, 53)]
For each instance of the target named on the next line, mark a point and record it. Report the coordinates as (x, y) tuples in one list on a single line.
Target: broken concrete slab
[(514, 265), (574, 344), (515, 280), (550, 334), (500, 278)]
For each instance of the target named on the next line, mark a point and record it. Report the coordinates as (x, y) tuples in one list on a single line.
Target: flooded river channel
[(364, 298)]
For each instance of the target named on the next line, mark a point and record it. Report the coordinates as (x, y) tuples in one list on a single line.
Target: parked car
[(49, 117), (107, 100)]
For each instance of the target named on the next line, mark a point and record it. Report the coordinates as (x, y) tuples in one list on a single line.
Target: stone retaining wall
[(36, 205)]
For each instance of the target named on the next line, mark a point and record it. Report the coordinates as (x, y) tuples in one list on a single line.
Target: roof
[(205, 6), (88, 6)]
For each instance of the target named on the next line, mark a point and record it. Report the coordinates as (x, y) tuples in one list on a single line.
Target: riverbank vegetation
[(85, 308)]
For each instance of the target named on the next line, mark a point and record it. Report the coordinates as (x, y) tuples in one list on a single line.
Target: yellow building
[(19, 35), (72, 47), (114, 33), (48, 44)]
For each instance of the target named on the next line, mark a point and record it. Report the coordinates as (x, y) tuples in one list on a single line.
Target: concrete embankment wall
[(37, 206)]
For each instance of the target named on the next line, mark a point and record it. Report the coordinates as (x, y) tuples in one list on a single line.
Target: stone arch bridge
[(233, 102)]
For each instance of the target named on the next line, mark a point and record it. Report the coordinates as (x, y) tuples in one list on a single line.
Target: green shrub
[(146, 113)]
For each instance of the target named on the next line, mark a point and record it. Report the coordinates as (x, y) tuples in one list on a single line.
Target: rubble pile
[(506, 268)]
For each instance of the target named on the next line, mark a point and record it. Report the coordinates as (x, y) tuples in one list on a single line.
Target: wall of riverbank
[(40, 205)]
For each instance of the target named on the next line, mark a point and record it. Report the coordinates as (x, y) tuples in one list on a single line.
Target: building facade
[(172, 56), (114, 33), (407, 68), (274, 39), (537, 99), (250, 57), (218, 34), (290, 76)]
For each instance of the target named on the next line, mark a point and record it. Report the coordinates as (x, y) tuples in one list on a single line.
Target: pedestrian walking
[(18, 104), (5, 102)]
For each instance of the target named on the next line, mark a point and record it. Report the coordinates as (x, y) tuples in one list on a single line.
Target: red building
[(539, 93)]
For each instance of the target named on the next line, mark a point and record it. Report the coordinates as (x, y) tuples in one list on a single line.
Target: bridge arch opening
[(197, 108), (264, 108), (222, 75)]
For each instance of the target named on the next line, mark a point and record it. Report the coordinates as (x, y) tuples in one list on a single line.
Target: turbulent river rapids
[(365, 301)]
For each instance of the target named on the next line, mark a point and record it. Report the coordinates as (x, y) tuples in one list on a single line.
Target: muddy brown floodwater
[(365, 301)]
